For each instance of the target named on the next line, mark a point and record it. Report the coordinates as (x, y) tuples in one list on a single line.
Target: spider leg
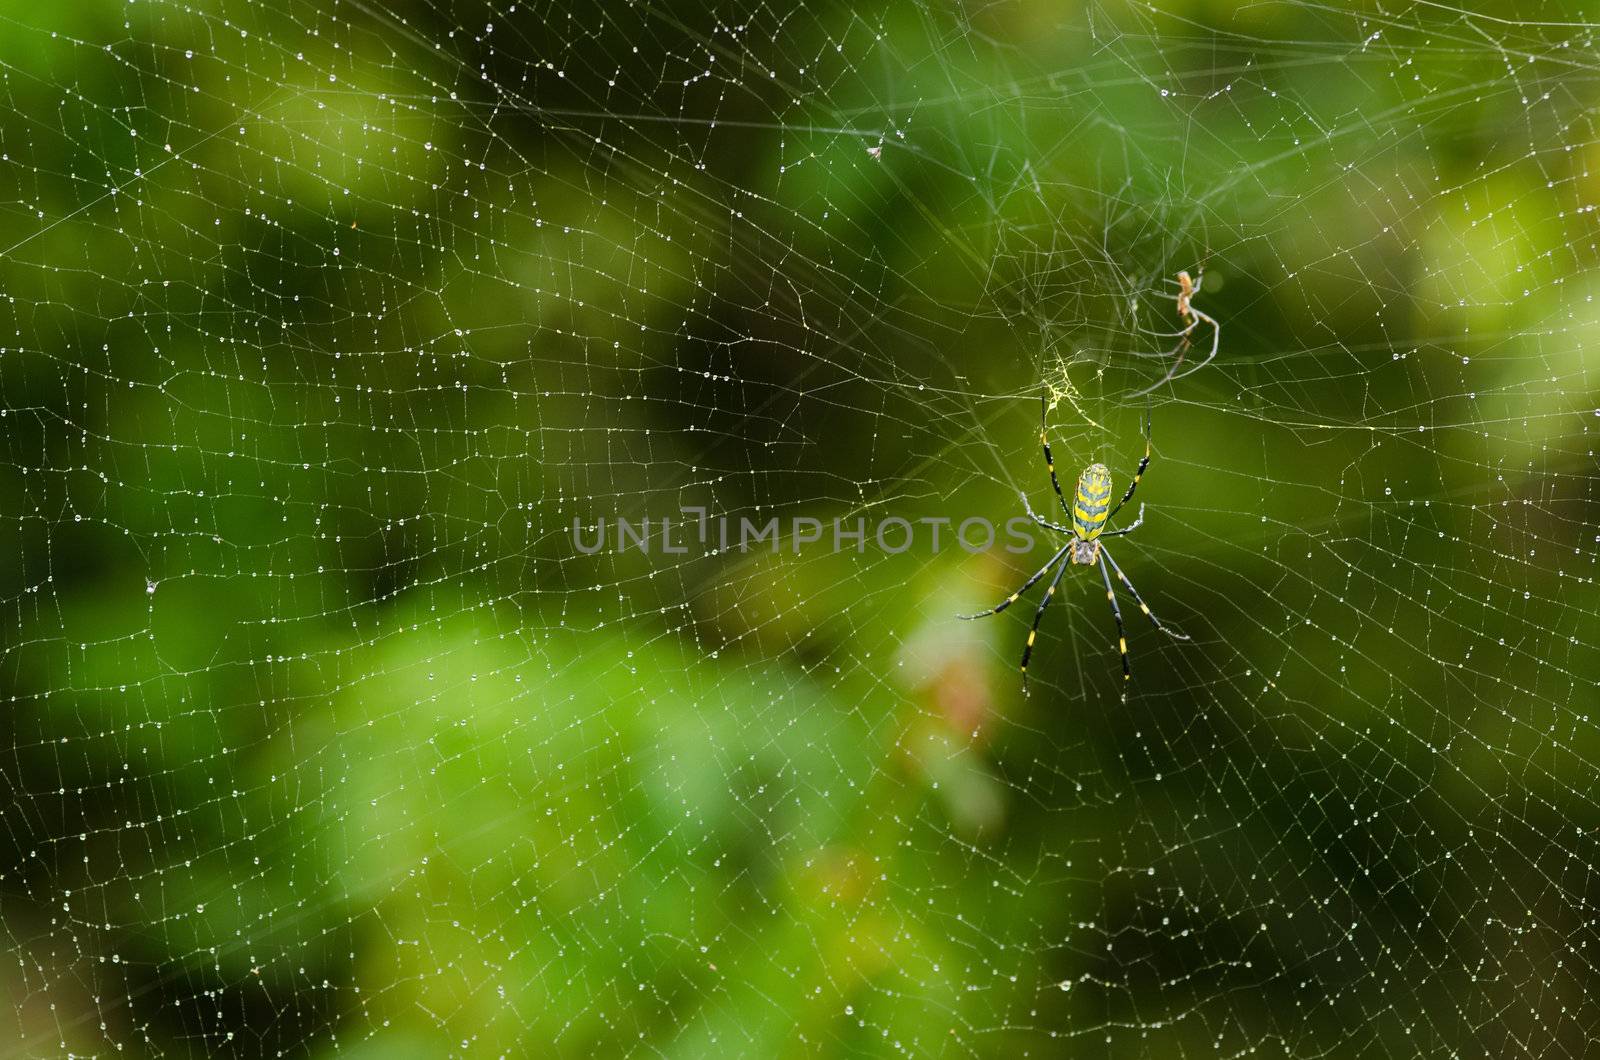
[(1041, 520), (1049, 462), (1216, 337), (1049, 594), (1116, 611), (1144, 462), (1172, 373), (1194, 284), (1130, 528), (1183, 334), (1123, 578), (1008, 601)]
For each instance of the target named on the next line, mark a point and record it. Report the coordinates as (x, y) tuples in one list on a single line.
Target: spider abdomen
[(1093, 500)]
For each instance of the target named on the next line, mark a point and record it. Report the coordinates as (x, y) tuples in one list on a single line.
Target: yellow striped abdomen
[(1090, 504)]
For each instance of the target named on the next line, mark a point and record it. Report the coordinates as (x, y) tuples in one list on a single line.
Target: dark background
[(320, 324)]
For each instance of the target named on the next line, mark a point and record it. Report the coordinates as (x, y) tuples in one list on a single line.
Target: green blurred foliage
[(321, 326)]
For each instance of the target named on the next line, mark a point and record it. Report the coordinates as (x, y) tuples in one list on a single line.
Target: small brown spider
[(1192, 318)]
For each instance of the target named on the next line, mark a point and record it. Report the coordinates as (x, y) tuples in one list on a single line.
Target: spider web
[(325, 326)]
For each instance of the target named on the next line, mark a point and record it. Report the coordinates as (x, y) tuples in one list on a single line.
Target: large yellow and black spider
[(1089, 517)]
